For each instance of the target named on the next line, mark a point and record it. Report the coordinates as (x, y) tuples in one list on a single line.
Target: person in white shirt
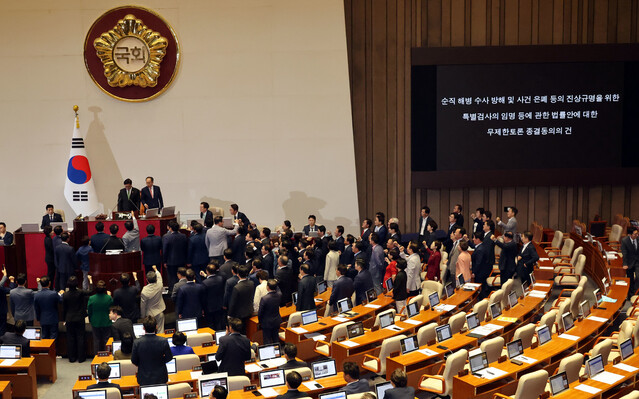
[(260, 290), (413, 268)]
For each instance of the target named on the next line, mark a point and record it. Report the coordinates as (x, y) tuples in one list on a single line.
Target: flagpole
[(77, 119)]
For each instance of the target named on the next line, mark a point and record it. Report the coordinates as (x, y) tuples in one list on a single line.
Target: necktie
[(50, 217), (152, 192), (128, 194)]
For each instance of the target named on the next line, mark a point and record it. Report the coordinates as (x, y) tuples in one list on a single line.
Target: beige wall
[(259, 113)]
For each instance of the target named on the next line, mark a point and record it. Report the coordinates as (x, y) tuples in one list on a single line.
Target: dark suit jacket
[(121, 326), (238, 246), (151, 247), (214, 292), (198, 252), (46, 219), (150, 351), (267, 264), (382, 234), (10, 338), (362, 283), (346, 257), (245, 220), (460, 220), (306, 293), (4, 291), (307, 229), (113, 243), (268, 313), (400, 393), (105, 384), (74, 307), (490, 248), (49, 256), (293, 364), (419, 226), (190, 300), (241, 303), (233, 350), (8, 238), (529, 257), (98, 240), (226, 269), (175, 247), (46, 306), (359, 386), (366, 235), (65, 261), (127, 204), (207, 217), (147, 201), (481, 266), (340, 243), (630, 254), (292, 394), (507, 256), (127, 299), (228, 289), (285, 281), (342, 288)]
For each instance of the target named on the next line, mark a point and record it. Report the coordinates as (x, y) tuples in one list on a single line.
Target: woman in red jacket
[(432, 267), (391, 269)]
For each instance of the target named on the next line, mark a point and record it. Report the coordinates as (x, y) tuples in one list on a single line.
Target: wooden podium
[(108, 267), (86, 227)]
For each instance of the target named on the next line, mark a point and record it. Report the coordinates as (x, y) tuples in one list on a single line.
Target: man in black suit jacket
[(527, 257), (214, 296), (380, 227), (342, 287), (366, 232), (46, 303), (149, 352), (362, 282), (151, 196), (205, 214), (346, 257), (290, 353), (268, 313), (457, 210), (65, 260), (305, 290), (422, 226), (151, 247), (293, 381), (489, 232), (241, 302), (285, 279), (353, 383), (190, 298), (6, 238), (311, 226), (16, 338), (50, 217), (128, 197), (481, 266), (103, 372), (233, 349), (268, 260), (120, 324), (99, 239), (226, 267), (507, 265), (175, 248), (338, 237), (237, 215), (114, 242), (630, 252), (126, 297), (401, 391)]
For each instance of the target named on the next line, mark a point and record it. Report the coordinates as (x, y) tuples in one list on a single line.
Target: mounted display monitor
[(524, 105)]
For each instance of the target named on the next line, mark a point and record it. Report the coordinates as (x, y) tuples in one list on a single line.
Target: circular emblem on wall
[(132, 53)]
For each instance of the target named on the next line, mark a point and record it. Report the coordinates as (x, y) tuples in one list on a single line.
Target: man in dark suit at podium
[(151, 196), (151, 247), (50, 217), (6, 238), (129, 197), (100, 238)]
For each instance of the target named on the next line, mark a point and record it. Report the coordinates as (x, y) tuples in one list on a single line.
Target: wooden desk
[(325, 326), (43, 351), (328, 384), (254, 332), (415, 364), (5, 388), (86, 227), (110, 267), (22, 376), (546, 357)]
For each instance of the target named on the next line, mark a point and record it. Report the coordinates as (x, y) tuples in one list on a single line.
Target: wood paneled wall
[(380, 34)]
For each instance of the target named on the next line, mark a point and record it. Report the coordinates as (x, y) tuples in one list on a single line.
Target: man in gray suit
[(511, 225), (216, 239), (353, 383), (401, 390), (131, 238), (22, 299), (151, 302), (451, 268)]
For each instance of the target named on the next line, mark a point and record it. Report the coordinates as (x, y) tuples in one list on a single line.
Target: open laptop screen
[(381, 388), (159, 391), (309, 317), (558, 383), (271, 378), (443, 332)]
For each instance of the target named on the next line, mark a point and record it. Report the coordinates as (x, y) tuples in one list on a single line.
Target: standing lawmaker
[(216, 238), (150, 353), (128, 197), (151, 196)]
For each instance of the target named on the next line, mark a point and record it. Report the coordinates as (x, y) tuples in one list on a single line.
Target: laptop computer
[(450, 290), (294, 297), (10, 352), (627, 349), (495, 310), (115, 370), (412, 309), (309, 317), (344, 306), (168, 211), (389, 284), (333, 395), (322, 286), (381, 388), (323, 368), (514, 348), (33, 333), (433, 299), (186, 325), (585, 308), (371, 295), (477, 363), (30, 227), (443, 332), (268, 352), (272, 378), (210, 366), (558, 383), (209, 383), (171, 366), (355, 330), (93, 394), (409, 344), (159, 391), (116, 346), (512, 299), (387, 319), (138, 330), (460, 280), (532, 279), (151, 213), (472, 322), (218, 335), (594, 366), (567, 321)]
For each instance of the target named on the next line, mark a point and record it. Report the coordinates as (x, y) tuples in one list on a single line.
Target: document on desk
[(312, 385), (472, 285), (587, 388), (490, 373), (393, 327), (9, 362), (620, 282), (427, 352), (597, 319), (546, 267), (317, 300), (372, 306), (525, 359), (608, 299), (486, 329), (570, 337), (340, 319), (444, 308), (299, 330), (414, 322), (544, 258), (607, 377), (196, 375), (252, 368), (348, 343), (272, 363), (538, 294), (507, 319), (542, 284), (626, 367), (315, 336), (268, 392)]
